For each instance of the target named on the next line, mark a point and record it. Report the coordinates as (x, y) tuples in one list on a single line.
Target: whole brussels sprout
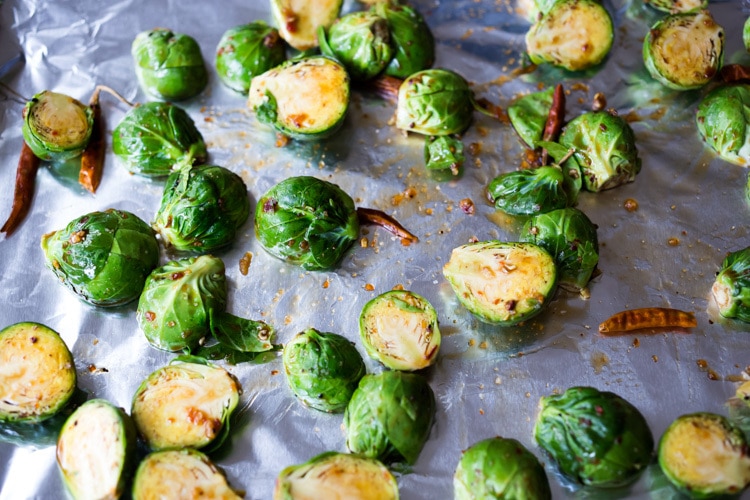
[(498, 468), (56, 127), (731, 288), (104, 257), (390, 416), (154, 138), (298, 22), (724, 124), (169, 65), (201, 209), (322, 369), (529, 191), (673, 6), (178, 300), (444, 157), (307, 222), (596, 438), (528, 115), (246, 51), (412, 39)]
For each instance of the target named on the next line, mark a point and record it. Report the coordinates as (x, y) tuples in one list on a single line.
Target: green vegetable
[(528, 115), (731, 288), (307, 222), (336, 475), (502, 283), (169, 65), (56, 127), (444, 157), (305, 99), (684, 51), (674, 6), (412, 39), (322, 369), (499, 468), (156, 137), (400, 329), (595, 438), (746, 34), (104, 257), (723, 120), (298, 22), (96, 449), (201, 209), (246, 51), (238, 339), (529, 191), (390, 416), (178, 300)]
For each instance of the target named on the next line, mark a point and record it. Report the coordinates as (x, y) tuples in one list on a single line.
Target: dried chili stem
[(378, 218), (28, 164)]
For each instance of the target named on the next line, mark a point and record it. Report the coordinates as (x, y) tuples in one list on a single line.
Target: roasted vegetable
[(298, 22), (156, 137), (444, 157), (247, 51), (502, 283), (746, 34), (400, 329), (56, 127), (529, 191), (731, 288), (239, 340), (390, 416), (169, 65), (528, 115), (674, 6), (202, 209), (684, 51), (104, 257), (322, 369), (96, 450), (187, 403), (596, 438), (723, 120), (336, 475), (412, 39), (498, 468)]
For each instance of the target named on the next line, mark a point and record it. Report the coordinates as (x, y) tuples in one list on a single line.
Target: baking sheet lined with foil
[(691, 211)]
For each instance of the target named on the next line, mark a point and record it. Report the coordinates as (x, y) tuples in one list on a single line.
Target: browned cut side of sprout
[(648, 317), (28, 164), (378, 218)]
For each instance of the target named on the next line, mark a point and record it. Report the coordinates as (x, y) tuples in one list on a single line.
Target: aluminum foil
[(488, 380)]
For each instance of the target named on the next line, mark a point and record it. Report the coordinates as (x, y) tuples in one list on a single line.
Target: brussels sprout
[(201, 209), (674, 6), (336, 475), (95, 450), (413, 42), (154, 138), (570, 237), (572, 34), (56, 127), (498, 468), (434, 102), (181, 473), (298, 22), (246, 51), (400, 329), (390, 416), (185, 404), (104, 257), (169, 65), (306, 221), (528, 115), (38, 376), (605, 149), (529, 191), (359, 40), (596, 438), (705, 455), (684, 51), (178, 300), (322, 369), (723, 120), (305, 99), (746, 34), (444, 157), (731, 288), (502, 283)]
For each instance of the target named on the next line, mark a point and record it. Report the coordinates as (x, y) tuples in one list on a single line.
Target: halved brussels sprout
[(412, 39), (731, 288), (528, 115), (305, 99), (96, 449), (104, 257), (306, 221), (201, 209), (169, 65), (56, 127), (705, 456), (573, 34), (181, 473), (185, 404), (336, 475), (323, 369), (178, 300), (38, 376), (246, 51), (298, 22), (500, 282), (390, 416), (684, 51), (497, 468), (596, 438), (673, 6), (723, 120), (444, 157), (400, 329), (154, 138), (529, 191)]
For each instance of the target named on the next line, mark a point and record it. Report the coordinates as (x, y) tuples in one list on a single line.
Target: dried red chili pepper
[(378, 218), (28, 164)]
